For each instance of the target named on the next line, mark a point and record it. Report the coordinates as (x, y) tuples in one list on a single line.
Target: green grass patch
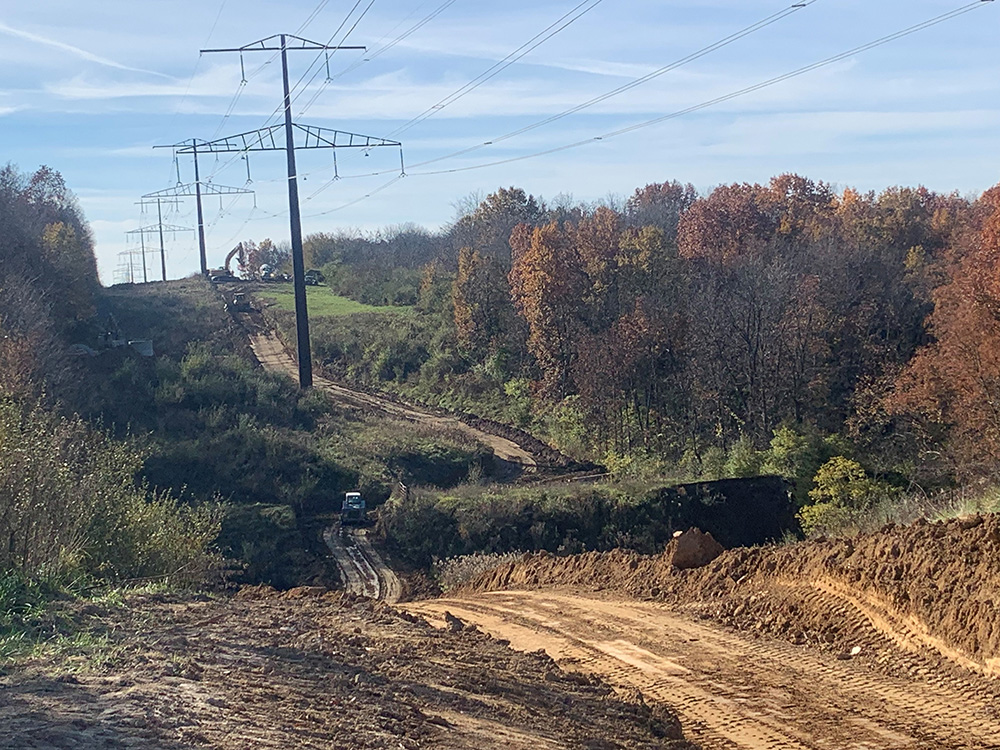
[(322, 302)]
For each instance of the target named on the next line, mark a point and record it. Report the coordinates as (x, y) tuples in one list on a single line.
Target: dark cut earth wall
[(737, 512)]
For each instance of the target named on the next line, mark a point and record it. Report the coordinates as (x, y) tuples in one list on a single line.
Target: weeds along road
[(271, 353), (732, 690)]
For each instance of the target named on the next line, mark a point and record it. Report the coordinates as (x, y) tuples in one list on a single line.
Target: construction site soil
[(887, 640), (931, 589), (307, 669)]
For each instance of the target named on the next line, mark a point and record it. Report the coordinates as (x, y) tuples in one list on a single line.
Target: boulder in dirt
[(693, 548)]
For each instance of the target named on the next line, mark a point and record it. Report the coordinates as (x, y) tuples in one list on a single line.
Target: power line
[(279, 108), (724, 42), (346, 35), (409, 32), (706, 104), (312, 16), (563, 22), (367, 195), (494, 70)]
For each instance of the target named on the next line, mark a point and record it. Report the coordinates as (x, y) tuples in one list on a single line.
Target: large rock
[(693, 549)]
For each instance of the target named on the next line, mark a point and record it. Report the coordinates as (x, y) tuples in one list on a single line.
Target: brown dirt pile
[(306, 669), (928, 588)]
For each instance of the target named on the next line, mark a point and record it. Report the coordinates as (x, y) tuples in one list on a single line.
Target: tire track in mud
[(361, 568), (733, 691), (906, 632)]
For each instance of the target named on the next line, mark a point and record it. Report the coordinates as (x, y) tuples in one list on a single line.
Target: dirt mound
[(930, 589), (306, 668), (693, 549)]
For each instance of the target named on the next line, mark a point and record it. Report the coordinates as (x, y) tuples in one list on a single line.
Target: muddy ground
[(306, 669)]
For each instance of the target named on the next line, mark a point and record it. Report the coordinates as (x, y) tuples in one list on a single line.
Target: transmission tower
[(196, 189), (156, 229), (125, 273), (159, 219), (296, 136)]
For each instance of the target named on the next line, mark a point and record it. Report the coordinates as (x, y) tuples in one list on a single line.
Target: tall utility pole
[(159, 222), (125, 273), (264, 139), (199, 188), (196, 189)]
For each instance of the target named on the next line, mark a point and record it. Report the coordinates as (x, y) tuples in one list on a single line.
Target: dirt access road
[(271, 353), (362, 570), (733, 690), (303, 669)]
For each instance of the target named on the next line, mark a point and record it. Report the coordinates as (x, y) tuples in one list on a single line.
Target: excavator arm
[(236, 250)]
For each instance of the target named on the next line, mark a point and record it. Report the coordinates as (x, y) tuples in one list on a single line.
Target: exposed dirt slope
[(738, 690), (309, 670), (271, 354), (932, 589), (889, 640)]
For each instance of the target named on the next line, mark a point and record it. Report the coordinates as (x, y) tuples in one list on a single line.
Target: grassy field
[(323, 302)]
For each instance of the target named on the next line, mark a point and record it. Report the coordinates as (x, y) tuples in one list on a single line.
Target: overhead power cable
[(724, 42), (301, 90), (711, 102), (501, 65), (494, 70), (280, 108), (364, 197), (382, 50)]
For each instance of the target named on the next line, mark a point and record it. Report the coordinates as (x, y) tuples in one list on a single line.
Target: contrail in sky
[(81, 53)]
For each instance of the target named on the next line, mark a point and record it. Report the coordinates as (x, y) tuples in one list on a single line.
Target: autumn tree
[(548, 284), (660, 205), (482, 305), (951, 389), (48, 279), (488, 227)]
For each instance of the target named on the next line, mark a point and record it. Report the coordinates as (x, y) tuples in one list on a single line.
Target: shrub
[(843, 493), (69, 506)]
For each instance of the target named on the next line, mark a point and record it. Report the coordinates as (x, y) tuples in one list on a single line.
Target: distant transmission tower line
[(269, 138)]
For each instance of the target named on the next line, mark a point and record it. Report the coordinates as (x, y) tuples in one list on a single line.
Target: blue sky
[(89, 87)]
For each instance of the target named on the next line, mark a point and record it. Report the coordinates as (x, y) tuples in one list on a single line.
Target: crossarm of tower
[(306, 137)]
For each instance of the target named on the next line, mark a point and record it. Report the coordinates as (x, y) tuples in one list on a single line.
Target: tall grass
[(69, 506)]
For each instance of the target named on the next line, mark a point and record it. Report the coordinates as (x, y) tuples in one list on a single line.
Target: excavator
[(225, 273)]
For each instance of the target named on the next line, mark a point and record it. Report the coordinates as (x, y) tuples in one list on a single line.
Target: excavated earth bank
[(930, 590)]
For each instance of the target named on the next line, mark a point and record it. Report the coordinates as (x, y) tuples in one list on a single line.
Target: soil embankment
[(932, 588), (888, 640)]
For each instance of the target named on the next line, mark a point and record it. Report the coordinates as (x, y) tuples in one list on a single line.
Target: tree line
[(684, 325)]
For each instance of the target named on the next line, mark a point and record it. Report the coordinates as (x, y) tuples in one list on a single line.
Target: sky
[(89, 88)]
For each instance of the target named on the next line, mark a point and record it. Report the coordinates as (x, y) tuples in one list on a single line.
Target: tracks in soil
[(734, 691), (361, 568)]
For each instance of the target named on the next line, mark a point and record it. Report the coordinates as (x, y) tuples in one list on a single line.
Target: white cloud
[(76, 51)]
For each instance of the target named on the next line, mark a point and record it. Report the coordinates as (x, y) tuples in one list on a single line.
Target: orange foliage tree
[(951, 389), (548, 284)]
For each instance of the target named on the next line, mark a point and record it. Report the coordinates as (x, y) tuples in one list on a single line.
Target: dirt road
[(738, 691), (272, 355), (303, 669), (362, 570)]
